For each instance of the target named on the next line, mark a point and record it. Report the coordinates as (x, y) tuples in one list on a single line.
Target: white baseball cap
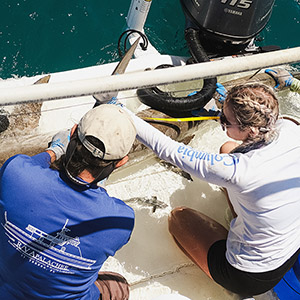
[(112, 126)]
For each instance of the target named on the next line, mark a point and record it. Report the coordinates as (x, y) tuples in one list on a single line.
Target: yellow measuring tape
[(183, 119)]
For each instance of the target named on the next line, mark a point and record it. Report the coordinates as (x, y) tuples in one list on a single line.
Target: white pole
[(137, 14), (136, 19), (52, 91)]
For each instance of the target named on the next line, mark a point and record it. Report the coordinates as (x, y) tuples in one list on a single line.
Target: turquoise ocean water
[(56, 35)]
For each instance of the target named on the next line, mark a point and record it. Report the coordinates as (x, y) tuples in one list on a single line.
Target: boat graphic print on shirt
[(45, 250)]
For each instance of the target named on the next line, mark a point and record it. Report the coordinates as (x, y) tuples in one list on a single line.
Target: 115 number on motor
[(239, 3)]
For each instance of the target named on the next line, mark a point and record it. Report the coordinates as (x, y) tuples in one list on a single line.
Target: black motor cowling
[(227, 26)]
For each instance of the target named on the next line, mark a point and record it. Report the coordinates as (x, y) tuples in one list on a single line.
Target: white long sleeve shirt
[(263, 186)]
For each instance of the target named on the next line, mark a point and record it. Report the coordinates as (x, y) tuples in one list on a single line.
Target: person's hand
[(222, 92), (59, 143), (104, 97), (282, 77), (115, 101)]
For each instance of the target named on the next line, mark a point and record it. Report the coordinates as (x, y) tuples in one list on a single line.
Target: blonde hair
[(254, 105)]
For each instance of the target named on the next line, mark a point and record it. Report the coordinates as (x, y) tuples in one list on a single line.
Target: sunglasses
[(225, 123)]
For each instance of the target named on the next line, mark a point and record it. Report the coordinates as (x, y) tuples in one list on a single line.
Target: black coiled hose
[(165, 102)]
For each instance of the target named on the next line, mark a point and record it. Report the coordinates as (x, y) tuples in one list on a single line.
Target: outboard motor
[(226, 27), (214, 28)]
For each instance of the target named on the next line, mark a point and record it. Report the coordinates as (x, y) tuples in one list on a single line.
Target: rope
[(143, 45), (200, 118)]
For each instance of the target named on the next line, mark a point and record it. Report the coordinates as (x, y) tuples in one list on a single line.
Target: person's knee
[(176, 217), (112, 285), (177, 212)]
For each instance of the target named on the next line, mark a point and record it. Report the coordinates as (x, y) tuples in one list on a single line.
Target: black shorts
[(243, 283)]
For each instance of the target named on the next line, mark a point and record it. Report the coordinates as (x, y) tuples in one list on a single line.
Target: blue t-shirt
[(54, 235)]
